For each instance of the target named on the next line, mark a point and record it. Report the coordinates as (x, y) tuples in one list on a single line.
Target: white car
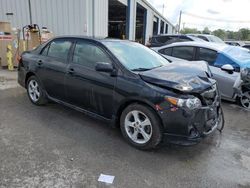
[(208, 38), (225, 62)]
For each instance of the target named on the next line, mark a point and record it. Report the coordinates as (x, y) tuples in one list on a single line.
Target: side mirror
[(104, 67), (229, 68)]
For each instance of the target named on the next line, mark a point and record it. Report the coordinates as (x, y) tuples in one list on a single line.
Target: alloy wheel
[(33, 90), (138, 127), (245, 99)]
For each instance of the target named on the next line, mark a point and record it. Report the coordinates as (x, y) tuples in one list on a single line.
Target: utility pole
[(179, 29), (30, 13)]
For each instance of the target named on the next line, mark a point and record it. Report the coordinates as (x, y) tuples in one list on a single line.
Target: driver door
[(85, 87)]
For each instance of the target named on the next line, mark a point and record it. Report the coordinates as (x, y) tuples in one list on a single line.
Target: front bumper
[(196, 130), (188, 127)]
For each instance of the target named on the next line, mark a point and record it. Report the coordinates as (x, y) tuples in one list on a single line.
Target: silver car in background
[(225, 63), (208, 38)]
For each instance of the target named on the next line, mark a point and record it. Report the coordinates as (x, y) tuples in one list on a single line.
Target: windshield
[(194, 38), (135, 56)]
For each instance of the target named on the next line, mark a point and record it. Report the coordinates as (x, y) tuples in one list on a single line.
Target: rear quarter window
[(166, 51)]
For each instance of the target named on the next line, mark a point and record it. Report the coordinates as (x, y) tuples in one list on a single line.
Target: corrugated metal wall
[(18, 8), (71, 17), (100, 18), (60, 16)]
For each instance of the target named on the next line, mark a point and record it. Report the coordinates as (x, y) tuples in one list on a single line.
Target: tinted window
[(247, 46), (45, 50), (207, 55), (166, 51), (88, 54), (161, 39), (183, 52), (59, 49), (204, 38)]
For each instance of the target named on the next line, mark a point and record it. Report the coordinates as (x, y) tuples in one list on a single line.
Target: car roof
[(170, 35), (211, 45), (97, 39), (199, 34)]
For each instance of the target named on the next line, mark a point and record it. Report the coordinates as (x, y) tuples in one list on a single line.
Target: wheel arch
[(28, 75), (126, 103)]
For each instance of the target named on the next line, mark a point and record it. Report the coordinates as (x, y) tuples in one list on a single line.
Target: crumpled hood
[(185, 76)]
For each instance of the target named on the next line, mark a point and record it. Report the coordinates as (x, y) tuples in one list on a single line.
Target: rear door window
[(207, 55), (183, 52), (59, 49), (88, 54)]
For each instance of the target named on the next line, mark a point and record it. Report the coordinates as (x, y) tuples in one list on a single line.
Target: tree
[(206, 31), (232, 35), (220, 33), (190, 30), (244, 34)]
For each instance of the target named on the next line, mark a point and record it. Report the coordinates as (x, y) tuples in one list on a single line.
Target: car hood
[(184, 76)]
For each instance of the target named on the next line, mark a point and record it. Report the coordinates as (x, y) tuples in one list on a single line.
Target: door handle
[(39, 62), (71, 71)]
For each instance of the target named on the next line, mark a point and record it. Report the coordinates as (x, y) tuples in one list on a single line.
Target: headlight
[(191, 103)]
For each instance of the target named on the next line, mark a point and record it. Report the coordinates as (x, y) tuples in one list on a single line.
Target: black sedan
[(127, 84)]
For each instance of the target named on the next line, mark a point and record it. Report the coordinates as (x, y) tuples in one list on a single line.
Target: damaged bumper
[(200, 125), (187, 127)]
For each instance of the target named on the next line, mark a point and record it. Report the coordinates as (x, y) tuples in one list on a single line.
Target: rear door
[(52, 67), (224, 79), (85, 87)]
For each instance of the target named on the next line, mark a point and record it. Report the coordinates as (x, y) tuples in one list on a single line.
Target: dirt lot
[(54, 146)]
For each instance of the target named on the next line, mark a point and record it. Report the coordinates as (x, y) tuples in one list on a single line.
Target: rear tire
[(141, 127), (35, 91)]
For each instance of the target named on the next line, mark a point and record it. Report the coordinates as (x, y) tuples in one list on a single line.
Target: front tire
[(35, 91), (141, 127), (244, 100)]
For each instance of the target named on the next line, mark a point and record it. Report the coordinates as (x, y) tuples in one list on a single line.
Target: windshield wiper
[(141, 69), (146, 69)]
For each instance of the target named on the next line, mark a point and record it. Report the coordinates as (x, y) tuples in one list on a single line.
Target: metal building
[(130, 19)]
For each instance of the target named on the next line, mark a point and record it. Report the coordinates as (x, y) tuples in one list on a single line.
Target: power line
[(215, 19)]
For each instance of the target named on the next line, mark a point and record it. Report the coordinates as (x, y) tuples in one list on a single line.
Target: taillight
[(19, 58)]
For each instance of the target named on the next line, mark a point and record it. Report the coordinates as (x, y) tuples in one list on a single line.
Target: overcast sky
[(235, 10)]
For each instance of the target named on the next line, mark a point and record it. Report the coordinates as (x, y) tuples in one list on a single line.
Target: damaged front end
[(189, 120), (192, 110)]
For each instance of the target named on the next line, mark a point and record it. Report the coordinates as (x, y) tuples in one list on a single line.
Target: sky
[(229, 12)]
